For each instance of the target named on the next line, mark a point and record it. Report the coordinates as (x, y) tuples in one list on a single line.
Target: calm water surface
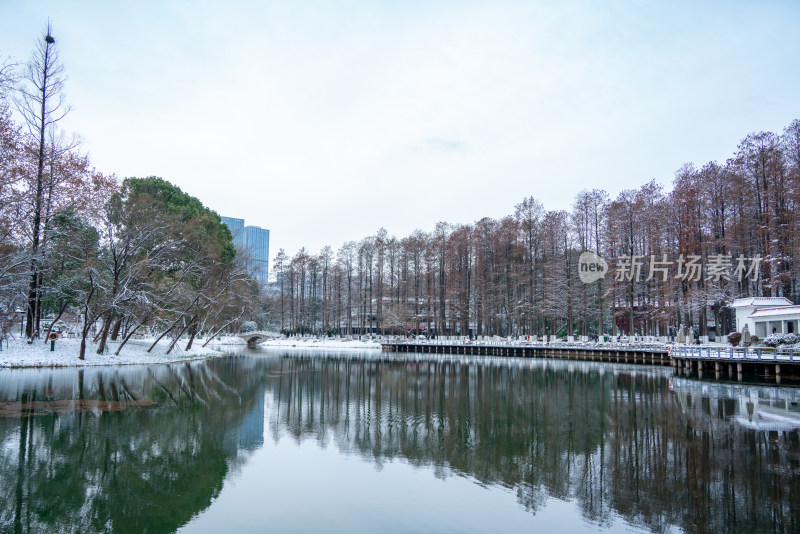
[(292, 442)]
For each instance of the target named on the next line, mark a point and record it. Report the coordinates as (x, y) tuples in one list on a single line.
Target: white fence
[(735, 354)]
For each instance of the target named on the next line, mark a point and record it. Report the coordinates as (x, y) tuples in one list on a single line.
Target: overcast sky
[(325, 121)]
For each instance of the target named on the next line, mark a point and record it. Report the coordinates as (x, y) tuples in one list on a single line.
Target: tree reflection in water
[(139, 469), (615, 440), (148, 449)]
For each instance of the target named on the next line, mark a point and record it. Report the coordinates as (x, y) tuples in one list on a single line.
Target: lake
[(292, 441)]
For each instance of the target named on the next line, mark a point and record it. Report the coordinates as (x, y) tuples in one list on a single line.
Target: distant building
[(254, 240), (236, 226), (746, 306), (781, 320)]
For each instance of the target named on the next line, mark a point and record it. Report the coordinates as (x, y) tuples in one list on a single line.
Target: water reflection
[(752, 406), (100, 468), (617, 443), (148, 449)]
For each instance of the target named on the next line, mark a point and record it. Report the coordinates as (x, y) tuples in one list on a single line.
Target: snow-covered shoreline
[(18, 353), (321, 343)]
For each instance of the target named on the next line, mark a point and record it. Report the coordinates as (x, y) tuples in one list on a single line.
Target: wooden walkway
[(600, 352), (728, 362), (736, 362)]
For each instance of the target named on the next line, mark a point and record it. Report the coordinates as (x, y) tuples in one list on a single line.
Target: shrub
[(773, 340), (753, 340), (734, 338), (249, 326)]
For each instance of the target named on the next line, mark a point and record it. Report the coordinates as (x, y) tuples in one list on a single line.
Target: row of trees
[(74, 242), (674, 258)]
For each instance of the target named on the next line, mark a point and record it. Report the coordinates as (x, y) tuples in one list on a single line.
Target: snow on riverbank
[(18, 353), (323, 343)]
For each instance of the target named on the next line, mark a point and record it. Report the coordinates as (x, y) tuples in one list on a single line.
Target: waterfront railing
[(562, 345), (762, 354)]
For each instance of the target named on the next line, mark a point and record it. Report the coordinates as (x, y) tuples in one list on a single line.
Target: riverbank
[(18, 353), (321, 343)]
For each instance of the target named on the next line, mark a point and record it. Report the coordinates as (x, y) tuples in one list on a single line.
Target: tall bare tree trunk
[(40, 105)]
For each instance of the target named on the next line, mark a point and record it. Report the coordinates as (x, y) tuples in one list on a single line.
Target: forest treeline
[(675, 258), (143, 255), (110, 259)]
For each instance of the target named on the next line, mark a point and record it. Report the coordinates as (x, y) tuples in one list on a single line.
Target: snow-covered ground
[(227, 340), (18, 353), (323, 343)]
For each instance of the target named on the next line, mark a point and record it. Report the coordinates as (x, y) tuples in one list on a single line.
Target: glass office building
[(255, 240), (236, 226)]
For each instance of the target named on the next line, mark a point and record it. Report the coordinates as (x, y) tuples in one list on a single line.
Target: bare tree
[(40, 101), (517, 275), (8, 77)]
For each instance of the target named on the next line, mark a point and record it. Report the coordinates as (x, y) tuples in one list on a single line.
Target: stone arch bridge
[(254, 338)]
